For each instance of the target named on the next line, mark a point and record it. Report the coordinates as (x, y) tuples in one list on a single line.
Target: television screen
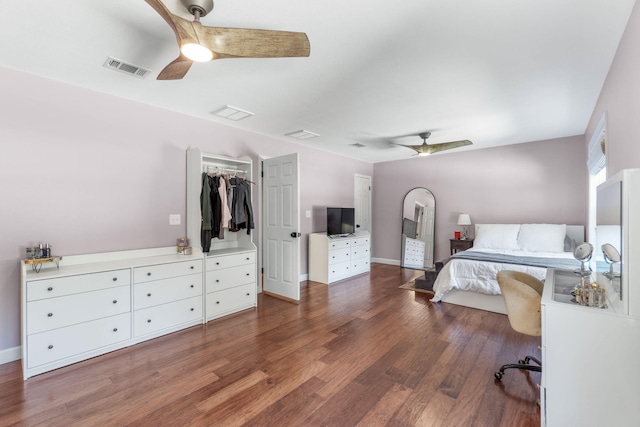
[(340, 221)]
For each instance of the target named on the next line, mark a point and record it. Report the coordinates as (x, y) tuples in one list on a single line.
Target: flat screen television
[(341, 221)]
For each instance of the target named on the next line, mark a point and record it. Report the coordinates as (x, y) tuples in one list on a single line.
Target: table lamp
[(464, 220)]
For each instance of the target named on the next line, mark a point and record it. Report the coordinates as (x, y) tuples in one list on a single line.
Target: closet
[(230, 272)]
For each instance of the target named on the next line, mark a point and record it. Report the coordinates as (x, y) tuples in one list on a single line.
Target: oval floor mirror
[(418, 225)]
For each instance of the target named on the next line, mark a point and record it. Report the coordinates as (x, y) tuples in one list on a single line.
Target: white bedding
[(480, 276)]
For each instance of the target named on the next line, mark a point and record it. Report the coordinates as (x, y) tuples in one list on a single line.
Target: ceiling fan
[(425, 149), (202, 44)]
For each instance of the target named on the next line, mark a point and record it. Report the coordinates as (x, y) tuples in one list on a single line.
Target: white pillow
[(497, 236), (542, 237)]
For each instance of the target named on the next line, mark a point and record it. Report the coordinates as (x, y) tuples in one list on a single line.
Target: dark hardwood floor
[(357, 353)]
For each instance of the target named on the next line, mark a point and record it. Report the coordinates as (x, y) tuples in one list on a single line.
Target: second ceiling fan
[(425, 149), (201, 43)]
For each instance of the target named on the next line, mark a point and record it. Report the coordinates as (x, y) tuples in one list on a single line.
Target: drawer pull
[(217, 302), (115, 279), (50, 315), (115, 301), (248, 294), (191, 308), (247, 258), (248, 274), (148, 320), (49, 288), (191, 267), (217, 263), (149, 295), (191, 286), (217, 281), (149, 274), (50, 347), (115, 329)]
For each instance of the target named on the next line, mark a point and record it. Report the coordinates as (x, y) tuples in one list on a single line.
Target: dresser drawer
[(360, 252), (158, 292), (360, 241), (230, 277), (41, 289), (52, 313), (339, 244), (339, 255), (338, 271), (360, 266), (228, 300), (234, 260), (47, 347), (165, 271), (164, 316)]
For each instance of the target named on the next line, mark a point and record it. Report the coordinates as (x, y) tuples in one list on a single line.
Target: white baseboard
[(10, 355), (386, 261), (304, 277)]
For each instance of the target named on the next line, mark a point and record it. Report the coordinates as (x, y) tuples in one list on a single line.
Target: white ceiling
[(495, 71)]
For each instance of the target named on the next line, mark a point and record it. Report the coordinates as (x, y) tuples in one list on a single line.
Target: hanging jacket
[(205, 207), (242, 211)]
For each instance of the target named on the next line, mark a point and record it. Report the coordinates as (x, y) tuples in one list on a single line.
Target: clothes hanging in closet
[(225, 203), (241, 211)]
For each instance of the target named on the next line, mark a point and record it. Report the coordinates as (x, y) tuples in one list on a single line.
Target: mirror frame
[(431, 199)]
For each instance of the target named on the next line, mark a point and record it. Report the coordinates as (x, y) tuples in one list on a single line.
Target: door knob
[(294, 234)]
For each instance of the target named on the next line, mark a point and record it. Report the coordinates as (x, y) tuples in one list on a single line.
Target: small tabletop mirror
[(583, 253), (611, 257)]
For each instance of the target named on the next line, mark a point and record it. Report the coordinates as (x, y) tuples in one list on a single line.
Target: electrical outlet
[(174, 219), (308, 214)]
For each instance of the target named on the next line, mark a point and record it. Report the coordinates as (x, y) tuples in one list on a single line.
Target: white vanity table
[(590, 355)]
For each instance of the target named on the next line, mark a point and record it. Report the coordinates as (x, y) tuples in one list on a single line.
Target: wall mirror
[(418, 222)]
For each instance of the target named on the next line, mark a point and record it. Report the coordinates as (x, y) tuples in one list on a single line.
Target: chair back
[(522, 294)]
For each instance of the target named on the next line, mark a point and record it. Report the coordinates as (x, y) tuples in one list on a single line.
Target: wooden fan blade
[(434, 148), (176, 69), (425, 148), (249, 43)]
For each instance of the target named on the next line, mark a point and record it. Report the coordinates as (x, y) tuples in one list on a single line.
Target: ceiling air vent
[(125, 67)]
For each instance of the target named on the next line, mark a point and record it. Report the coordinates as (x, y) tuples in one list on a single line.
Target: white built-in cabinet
[(589, 358), (230, 266), (93, 304), (337, 258)]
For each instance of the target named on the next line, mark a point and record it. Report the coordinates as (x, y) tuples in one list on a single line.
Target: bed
[(469, 278)]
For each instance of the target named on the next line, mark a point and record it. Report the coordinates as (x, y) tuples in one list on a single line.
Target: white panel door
[(362, 202), (281, 223)]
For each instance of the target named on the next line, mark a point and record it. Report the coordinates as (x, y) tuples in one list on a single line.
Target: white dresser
[(337, 258), (165, 295), (97, 303), (230, 282)]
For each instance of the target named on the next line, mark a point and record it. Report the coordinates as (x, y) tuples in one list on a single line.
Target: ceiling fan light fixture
[(196, 52), (423, 154)]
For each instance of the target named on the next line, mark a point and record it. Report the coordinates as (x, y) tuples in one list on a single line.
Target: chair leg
[(522, 364)]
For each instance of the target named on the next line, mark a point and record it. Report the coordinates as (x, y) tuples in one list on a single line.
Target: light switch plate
[(308, 214), (174, 219)]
